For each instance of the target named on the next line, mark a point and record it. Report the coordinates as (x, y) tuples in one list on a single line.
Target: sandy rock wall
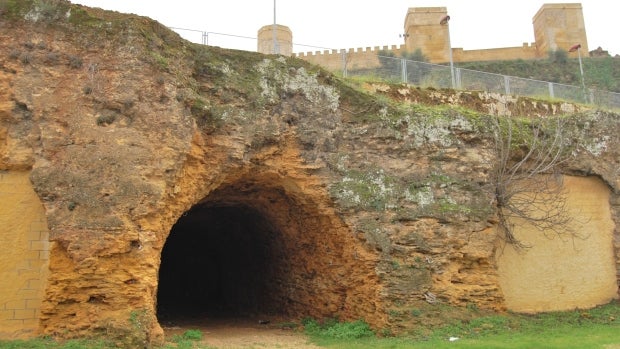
[(363, 208)]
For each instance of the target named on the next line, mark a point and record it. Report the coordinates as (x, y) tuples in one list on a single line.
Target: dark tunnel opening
[(221, 262)]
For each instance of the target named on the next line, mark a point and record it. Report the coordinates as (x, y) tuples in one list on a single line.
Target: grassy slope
[(600, 72)]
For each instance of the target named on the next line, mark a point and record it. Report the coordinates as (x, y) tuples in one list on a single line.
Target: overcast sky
[(338, 24)]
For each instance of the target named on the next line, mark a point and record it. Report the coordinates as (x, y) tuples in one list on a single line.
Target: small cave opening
[(221, 261), (261, 247)]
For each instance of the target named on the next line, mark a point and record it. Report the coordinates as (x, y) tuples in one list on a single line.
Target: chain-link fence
[(441, 76), (424, 74)]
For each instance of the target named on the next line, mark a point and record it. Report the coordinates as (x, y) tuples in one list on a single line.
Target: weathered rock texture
[(236, 183)]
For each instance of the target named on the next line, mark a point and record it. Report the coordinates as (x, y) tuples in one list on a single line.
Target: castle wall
[(24, 258), (496, 54), (359, 58), (556, 26), (366, 58), (562, 273)]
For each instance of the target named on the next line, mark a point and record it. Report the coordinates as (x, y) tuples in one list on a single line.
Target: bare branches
[(528, 185)]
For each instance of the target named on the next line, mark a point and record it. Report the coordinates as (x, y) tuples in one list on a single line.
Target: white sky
[(339, 24)]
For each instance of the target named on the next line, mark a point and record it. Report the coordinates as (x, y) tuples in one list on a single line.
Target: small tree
[(390, 65), (527, 181), (417, 68), (416, 55), (558, 56)]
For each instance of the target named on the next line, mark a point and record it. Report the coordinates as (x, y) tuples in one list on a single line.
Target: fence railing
[(440, 76), (430, 75)]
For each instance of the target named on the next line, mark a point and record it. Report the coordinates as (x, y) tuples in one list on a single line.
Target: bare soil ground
[(242, 333)]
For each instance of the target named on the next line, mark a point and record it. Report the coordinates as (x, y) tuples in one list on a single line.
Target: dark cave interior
[(221, 261)]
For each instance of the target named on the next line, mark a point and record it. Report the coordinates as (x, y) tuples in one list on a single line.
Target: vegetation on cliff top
[(599, 72)]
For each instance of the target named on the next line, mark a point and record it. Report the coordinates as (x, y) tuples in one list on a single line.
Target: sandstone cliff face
[(339, 202)]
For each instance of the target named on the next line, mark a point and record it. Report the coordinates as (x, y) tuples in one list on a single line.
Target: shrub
[(52, 58), (349, 330), (195, 335), (106, 118), (75, 62), (558, 56), (14, 54), (26, 58)]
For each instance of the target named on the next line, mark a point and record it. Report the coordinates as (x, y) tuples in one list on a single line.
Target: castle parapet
[(427, 32), (374, 50)]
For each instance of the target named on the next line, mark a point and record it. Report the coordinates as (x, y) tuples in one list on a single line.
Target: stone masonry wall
[(553, 28), (564, 272), (24, 257), (360, 58)]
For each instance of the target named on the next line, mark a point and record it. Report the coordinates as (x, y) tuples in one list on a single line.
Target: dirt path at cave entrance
[(242, 334)]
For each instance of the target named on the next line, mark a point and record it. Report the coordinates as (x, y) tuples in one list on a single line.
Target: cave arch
[(261, 247)]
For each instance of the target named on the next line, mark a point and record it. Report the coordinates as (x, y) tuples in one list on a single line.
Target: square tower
[(423, 31), (559, 26)]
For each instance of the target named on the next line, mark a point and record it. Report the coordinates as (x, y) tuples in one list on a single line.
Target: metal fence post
[(403, 70), (343, 59), (507, 85), (551, 94)]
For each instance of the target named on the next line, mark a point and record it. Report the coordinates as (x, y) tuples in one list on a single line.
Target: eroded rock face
[(264, 183), (118, 155)]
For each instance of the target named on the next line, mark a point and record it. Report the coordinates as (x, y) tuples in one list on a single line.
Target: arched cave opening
[(260, 247), (222, 261)]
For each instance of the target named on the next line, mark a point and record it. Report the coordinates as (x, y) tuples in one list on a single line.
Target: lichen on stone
[(274, 81), (367, 189), (596, 146), (422, 125), (422, 196)]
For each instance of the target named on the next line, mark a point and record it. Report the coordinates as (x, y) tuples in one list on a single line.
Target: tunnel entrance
[(220, 261), (260, 247)]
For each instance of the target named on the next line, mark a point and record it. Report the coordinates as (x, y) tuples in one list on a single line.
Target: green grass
[(565, 337), (578, 329), (595, 328), (188, 340), (48, 343), (332, 329), (599, 72)]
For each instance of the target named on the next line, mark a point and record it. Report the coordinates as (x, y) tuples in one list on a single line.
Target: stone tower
[(284, 40), (559, 26), (423, 31)]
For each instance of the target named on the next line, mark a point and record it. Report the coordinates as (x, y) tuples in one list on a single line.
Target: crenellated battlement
[(428, 33), (373, 50), (360, 57)]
